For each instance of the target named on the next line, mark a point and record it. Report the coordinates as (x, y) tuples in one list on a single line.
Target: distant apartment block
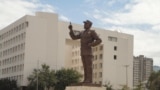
[(142, 68), (45, 39)]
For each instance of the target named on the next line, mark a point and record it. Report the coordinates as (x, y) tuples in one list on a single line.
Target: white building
[(45, 39)]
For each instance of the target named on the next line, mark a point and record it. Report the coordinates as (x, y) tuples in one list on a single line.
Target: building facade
[(45, 39), (142, 69), (24, 43)]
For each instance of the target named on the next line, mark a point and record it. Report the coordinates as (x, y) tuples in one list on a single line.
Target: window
[(115, 48), (95, 48), (114, 39), (22, 25), (100, 82), (100, 74), (101, 56), (95, 75), (115, 57), (95, 66), (95, 58), (81, 67), (100, 65), (26, 24), (101, 47)]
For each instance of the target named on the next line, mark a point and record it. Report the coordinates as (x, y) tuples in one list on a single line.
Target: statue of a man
[(88, 39)]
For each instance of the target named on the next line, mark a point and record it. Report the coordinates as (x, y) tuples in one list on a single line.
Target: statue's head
[(87, 24)]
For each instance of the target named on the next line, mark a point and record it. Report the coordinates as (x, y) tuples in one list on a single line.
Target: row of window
[(13, 40), (97, 48), (75, 61), (95, 57), (98, 82), (97, 75), (12, 50), (13, 69), (75, 46), (96, 66), (13, 59), (14, 30), (18, 78), (113, 39), (77, 68), (77, 51)]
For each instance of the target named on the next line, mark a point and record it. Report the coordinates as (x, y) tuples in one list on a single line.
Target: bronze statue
[(88, 39)]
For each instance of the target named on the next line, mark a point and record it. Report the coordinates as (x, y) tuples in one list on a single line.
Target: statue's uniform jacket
[(88, 39)]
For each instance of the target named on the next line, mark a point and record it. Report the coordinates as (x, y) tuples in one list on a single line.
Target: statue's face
[(87, 26)]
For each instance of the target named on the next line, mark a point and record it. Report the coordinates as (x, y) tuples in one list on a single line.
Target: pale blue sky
[(140, 18), (79, 10)]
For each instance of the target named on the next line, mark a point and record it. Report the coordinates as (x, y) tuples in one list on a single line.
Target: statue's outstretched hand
[(70, 26)]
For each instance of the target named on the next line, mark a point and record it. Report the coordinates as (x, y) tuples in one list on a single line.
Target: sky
[(140, 18)]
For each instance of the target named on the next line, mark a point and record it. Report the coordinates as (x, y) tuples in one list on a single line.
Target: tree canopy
[(46, 78), (6, 84), (154, 81), (66, 77), (49, 78)]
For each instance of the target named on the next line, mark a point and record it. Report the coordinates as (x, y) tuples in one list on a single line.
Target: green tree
[(139, 87), (46, 78), (125, 87), (33, 81), (108, 86), (154, 81), (6, 84), (66, 77)]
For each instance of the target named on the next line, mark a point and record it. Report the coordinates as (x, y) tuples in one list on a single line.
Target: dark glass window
[(115, 48), (115, 57)]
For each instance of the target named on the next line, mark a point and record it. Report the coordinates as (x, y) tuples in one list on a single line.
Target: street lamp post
[(37, 72), (126, 66)]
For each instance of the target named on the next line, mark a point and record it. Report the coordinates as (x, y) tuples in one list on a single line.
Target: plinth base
[(84, 88)]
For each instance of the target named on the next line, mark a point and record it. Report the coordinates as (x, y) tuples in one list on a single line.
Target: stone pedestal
[(84, 88)]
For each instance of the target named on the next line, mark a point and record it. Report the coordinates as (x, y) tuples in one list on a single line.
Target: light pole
[(37, 72), (126, 66)]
